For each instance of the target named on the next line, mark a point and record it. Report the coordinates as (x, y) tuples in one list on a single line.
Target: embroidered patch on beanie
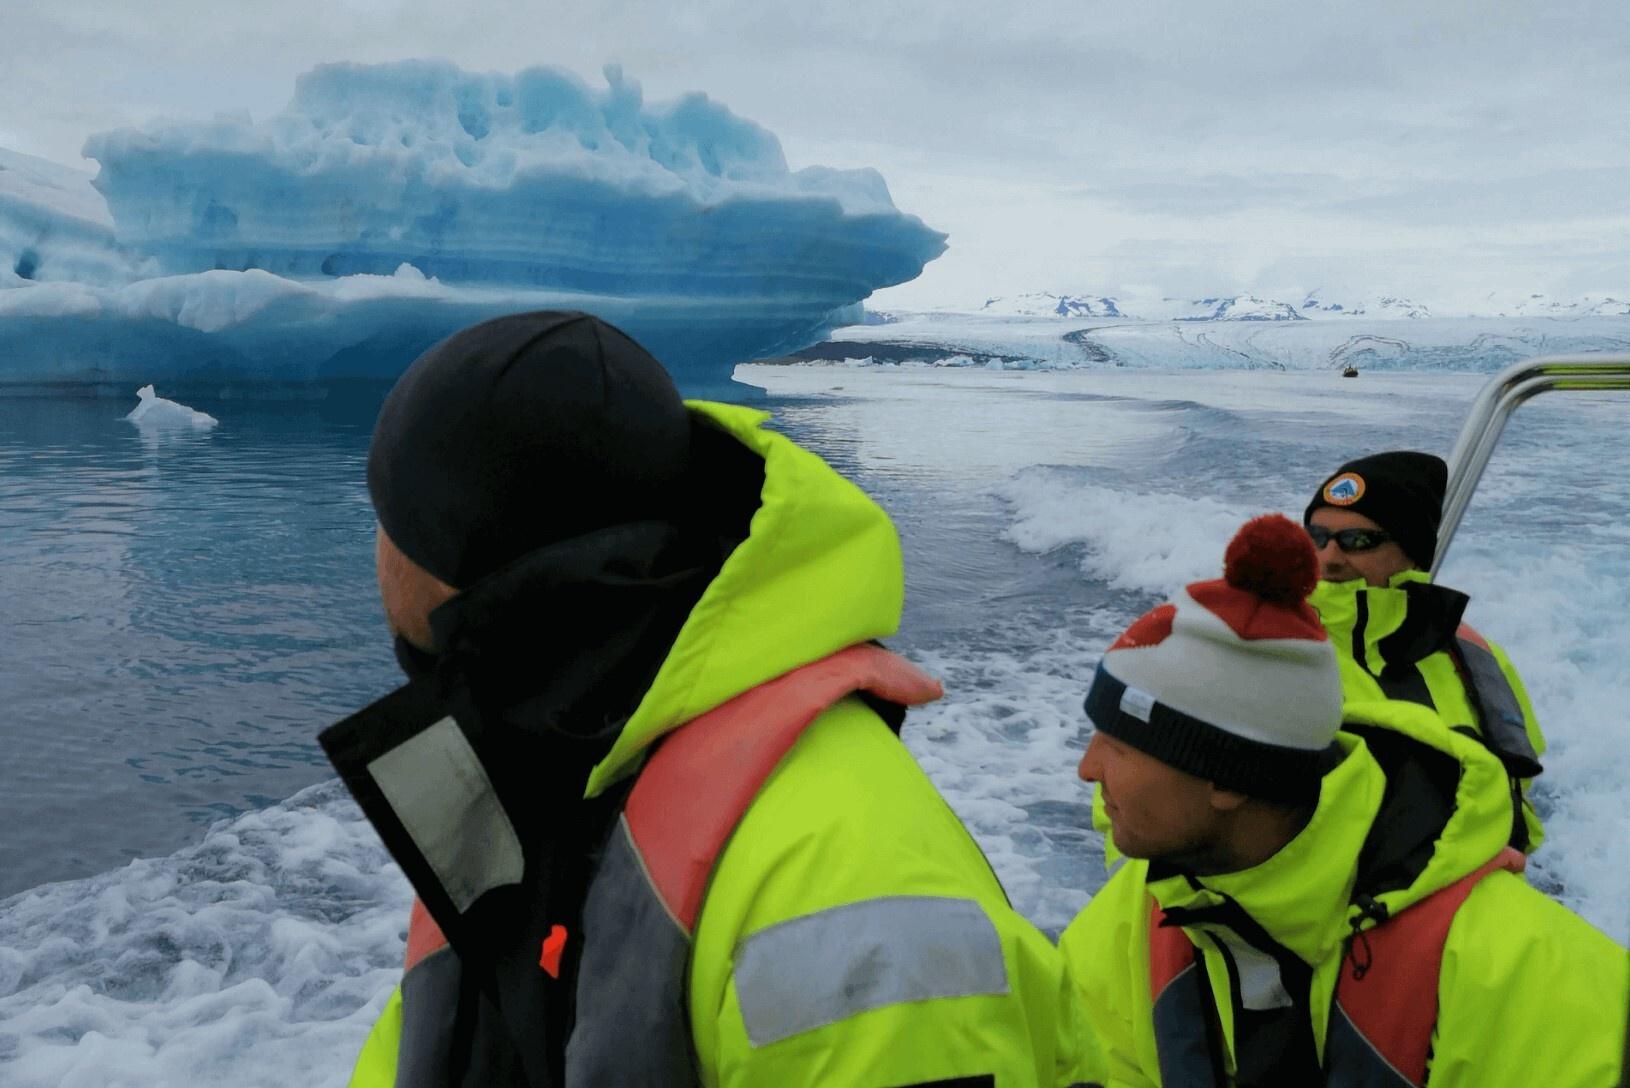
[(1344, 490), (1234, 679)]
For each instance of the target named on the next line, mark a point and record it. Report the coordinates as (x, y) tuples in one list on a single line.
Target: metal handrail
[(1514, 385)]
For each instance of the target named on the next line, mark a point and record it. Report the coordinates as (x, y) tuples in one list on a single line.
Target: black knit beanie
[(1401, 491), (521, 432)]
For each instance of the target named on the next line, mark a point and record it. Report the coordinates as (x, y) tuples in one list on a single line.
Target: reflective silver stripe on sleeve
[(446, 802), (821, 968)]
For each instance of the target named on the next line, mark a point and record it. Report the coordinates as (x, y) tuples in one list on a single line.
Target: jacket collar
[(1408, 619), (1300, 895), (1408, 811), (819, 570)]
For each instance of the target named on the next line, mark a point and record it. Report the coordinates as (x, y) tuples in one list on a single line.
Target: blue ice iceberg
[(54, 227), (392, 204)]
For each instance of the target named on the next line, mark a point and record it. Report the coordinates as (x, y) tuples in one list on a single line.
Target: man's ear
[(1226, 801)]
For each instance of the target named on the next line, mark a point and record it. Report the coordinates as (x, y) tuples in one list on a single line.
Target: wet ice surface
[(1040, 513)]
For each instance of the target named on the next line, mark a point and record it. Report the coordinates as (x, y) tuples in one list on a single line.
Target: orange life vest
[(1385, 1007), (647, 889)]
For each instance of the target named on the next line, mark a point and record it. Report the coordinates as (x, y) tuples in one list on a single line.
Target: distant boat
[(1349, 371)]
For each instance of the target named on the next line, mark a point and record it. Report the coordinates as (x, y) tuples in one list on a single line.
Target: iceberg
[(157, 413), (54, 227), (390, 205)]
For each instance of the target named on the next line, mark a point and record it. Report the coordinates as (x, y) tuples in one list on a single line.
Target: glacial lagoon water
[(183, 610)]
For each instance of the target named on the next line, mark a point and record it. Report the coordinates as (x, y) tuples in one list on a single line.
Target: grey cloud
[(1178, 194), (1415, 117), (1552, 196)]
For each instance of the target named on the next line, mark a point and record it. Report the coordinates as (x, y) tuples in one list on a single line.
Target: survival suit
[(1387, 944), (752, 881)]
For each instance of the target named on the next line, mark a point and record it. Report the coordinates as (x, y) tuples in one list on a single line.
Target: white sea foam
[(1002, 746), (1151, 542), (260, 956), (1546, 557)]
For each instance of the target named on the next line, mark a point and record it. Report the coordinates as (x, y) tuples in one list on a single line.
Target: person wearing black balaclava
[(645, 776), (1397, 633)]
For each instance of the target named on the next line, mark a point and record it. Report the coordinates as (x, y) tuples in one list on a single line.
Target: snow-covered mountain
[(1542, 305), (1043, 304), (1231, 308), (1385, 307)]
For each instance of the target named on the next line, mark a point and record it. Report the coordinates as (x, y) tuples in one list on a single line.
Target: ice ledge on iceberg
[(533, 179), (54, 227), (214, 331)]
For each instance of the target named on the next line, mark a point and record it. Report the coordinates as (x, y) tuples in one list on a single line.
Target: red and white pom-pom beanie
[(1234, 680)]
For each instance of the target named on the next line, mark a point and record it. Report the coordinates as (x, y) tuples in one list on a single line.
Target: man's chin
[(1135, 849)]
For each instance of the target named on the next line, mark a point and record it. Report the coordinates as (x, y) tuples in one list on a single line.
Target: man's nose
[(1092, 761)]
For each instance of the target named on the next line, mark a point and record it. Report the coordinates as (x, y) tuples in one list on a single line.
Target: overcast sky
[(1440, 150)]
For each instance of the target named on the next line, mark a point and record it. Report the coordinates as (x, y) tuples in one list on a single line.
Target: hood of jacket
[(1408, 619), (1410, 809), (819, 570)]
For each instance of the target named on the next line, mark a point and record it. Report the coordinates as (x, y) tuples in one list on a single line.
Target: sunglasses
[(1349, 540)]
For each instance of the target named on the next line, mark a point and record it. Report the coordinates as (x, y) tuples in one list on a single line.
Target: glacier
[(389, 205), (1014, 341)]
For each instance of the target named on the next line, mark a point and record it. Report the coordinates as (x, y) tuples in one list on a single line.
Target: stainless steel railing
[(1516, 384)]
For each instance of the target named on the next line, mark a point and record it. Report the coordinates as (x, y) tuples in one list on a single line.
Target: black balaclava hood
[(545, 467), (1401, 491), (521, 432)]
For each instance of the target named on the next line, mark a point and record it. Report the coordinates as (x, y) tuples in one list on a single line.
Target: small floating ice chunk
[(155, 411)]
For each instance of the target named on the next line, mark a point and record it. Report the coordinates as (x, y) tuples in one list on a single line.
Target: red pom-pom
[(1272, 557)]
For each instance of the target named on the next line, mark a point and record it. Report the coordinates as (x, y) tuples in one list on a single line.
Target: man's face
[(1157, 810), (1376, 566), (408, 591)]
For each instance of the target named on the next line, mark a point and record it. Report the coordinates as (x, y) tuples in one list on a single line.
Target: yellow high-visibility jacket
[(1379, 634), (852, 932), (1372, 629), (1528, 993)]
